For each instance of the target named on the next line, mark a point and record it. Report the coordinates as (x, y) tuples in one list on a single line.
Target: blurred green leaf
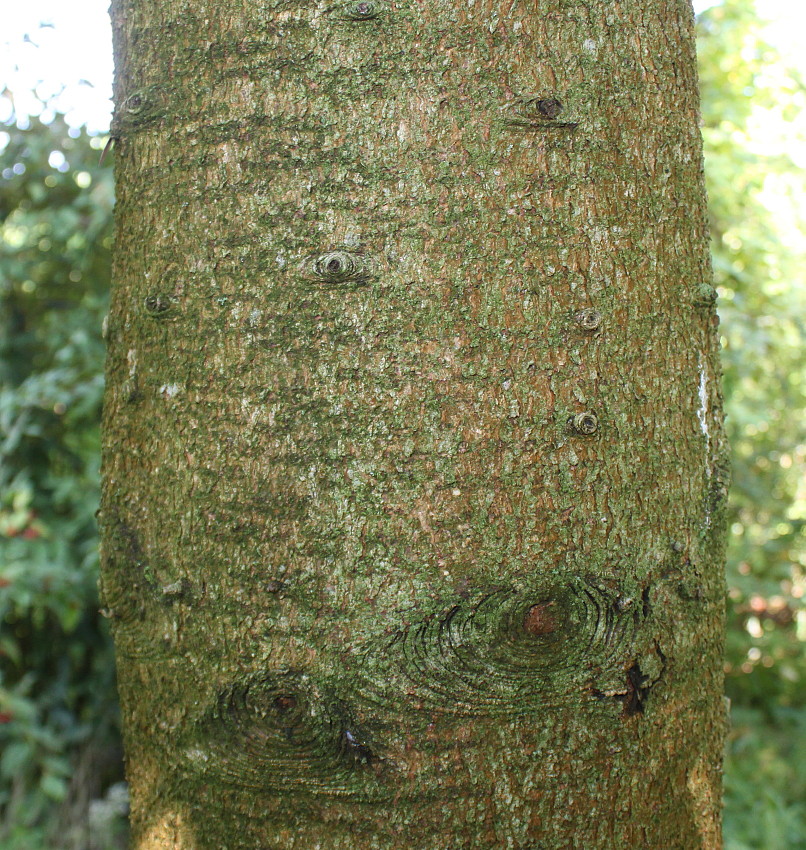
[(15, 755)]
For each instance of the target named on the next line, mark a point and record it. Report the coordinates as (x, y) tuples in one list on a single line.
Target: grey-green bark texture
[(414, 470)]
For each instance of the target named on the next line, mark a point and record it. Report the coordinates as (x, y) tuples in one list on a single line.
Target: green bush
[(58, 723)]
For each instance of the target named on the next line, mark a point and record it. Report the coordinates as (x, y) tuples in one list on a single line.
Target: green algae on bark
[(414, 472)]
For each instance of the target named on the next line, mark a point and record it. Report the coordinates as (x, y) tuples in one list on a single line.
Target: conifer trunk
[(414, 470)]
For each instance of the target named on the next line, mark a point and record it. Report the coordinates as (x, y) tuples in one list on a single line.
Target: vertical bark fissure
[(414, 470)]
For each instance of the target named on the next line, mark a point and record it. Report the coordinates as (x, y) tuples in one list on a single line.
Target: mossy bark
[(414, 472)]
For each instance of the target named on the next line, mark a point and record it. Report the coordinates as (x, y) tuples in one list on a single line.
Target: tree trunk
[(414, 469)]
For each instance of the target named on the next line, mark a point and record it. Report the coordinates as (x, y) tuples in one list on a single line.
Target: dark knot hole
[(285, 703)]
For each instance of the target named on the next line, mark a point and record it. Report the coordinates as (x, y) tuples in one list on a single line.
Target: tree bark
[(414, 466)]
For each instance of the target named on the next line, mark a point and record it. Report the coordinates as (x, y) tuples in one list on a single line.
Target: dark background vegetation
[(60, 758)]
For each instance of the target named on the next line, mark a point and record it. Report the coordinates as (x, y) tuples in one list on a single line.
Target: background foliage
[(58, 727), (749, 99), (60, 765)]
